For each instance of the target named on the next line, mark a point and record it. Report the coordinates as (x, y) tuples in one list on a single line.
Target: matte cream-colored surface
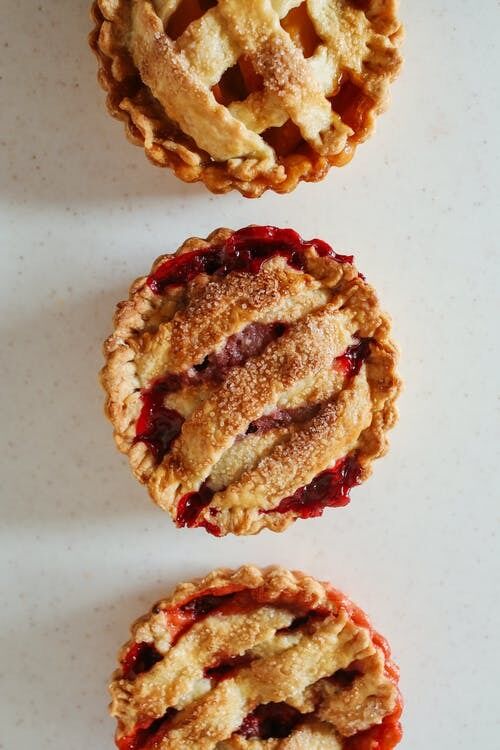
[(82, 213)]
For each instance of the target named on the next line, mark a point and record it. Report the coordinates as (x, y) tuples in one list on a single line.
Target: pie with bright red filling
[(247, 95), (200, 670), (251, 380)]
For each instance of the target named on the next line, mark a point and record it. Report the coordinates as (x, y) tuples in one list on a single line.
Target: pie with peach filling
[(244, 94), (251, 659), (251, 380)]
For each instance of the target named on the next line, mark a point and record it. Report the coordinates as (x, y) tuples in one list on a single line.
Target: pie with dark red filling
[(243, 94), (251, 380), (251, 659)]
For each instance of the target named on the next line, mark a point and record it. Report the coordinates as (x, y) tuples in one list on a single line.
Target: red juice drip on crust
[(191, 505), (245, 250), (210, 528), (330, 489)]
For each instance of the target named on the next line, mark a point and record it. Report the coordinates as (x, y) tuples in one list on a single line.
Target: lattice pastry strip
[(246, 393), (171, 80), (254, 659), (292, 464), (203, 100), (222, 308), (243, 369)]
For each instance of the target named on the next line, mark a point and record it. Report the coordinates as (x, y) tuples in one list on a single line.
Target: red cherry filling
[(283, 418), (344, 678), (180, 619), (227, 668), (245, 250), (329, 489), (140, 658), (272, 720), (302, 620), (239, 347), (143, 738), (204, 605), (191, 505), (158, 426), (351, 360)]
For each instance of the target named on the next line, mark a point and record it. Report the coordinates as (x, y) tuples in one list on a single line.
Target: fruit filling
[(157, 425), (250, 342), (140, 658), (227, 668), (245, 250), (300, 27), (350, 362), (186, 13), (269, 721), (143, 738), (330, 489), (238, 82), (191, 505), (352, 105), (283, 418)]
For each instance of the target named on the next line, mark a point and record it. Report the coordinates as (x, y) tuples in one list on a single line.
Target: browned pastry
[(256, 660), (251, 380), (247, 94)]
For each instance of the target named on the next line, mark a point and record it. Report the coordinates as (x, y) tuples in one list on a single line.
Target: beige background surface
[(82, 214)]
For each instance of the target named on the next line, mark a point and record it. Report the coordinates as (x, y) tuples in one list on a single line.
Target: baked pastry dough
[(256, 660), (247, 94), (251, 380)]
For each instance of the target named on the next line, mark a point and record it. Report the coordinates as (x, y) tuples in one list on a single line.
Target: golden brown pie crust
[(251, 95), (221, 649), (330, 415)]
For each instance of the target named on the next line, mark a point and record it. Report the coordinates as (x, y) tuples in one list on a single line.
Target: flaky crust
[(162, 89), (170, 333), (275, 622)]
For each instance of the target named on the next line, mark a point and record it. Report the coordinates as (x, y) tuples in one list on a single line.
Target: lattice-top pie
[(251, 380), (252, 659), (247, 94)]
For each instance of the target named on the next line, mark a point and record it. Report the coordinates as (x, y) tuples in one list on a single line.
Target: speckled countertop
[(82, 214)]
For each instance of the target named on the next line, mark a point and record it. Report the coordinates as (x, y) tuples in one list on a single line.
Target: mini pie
[(256, 659), (251, 380), (247, 94)]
